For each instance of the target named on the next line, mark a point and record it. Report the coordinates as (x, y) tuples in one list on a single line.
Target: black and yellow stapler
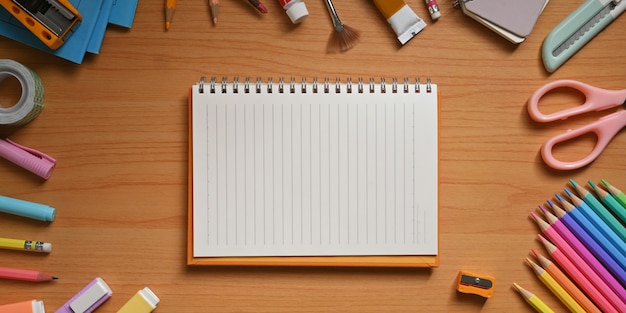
[(52, 21)]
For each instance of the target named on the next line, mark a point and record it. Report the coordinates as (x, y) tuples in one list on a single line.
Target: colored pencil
[(571, 221), (28, 275), (583, 281), (592, 269), (580, 240), (591, 218), (616, 193), (214, 6), (599, 208), (533, 300), (556, 289), (26, 245), (610, 202), (170, 7), (566, 283)]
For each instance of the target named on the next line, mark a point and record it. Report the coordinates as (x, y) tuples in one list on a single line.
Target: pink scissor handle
[(596, 99), (605, 129)]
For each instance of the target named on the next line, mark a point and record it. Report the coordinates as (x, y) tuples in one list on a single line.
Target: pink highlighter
[(30, 159)]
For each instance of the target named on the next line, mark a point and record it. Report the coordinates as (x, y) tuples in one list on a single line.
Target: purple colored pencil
[(618, 272), (584, 253)]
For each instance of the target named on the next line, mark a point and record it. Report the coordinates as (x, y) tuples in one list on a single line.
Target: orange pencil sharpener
[(475, 284)]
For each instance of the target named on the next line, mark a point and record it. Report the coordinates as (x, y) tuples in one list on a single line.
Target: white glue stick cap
[(297, 12)]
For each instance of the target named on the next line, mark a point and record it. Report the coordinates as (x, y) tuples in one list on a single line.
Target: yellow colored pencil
[(566, 283), (533, 300), (556, 289), (26, 245)]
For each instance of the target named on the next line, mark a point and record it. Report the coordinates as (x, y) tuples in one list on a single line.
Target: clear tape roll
[(30, 103)]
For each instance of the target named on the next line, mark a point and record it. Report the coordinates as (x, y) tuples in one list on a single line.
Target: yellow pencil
[(556, 289), (27, 245), (533, 300), (170, 6)]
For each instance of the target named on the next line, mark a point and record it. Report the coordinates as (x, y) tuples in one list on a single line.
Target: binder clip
[(480, 285), (88, 299)]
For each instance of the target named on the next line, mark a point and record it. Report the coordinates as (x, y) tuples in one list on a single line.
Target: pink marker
[(30, 159), (605, 283)]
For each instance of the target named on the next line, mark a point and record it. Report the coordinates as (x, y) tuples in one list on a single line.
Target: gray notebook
[(516, 16)]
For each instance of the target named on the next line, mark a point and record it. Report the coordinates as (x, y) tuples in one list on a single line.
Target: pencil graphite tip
[(606, 183), (535, 252), (54, 278), (261, 8), (558, 197), (592, 184), (569, 193), (573, 182)]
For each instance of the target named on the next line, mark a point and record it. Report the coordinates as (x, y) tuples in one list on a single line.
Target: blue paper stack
[(88, 36)]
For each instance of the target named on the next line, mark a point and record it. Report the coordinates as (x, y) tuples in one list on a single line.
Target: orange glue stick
[(402, 19), (32, 306)]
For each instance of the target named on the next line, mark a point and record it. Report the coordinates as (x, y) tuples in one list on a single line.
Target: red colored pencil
[(28, 275)]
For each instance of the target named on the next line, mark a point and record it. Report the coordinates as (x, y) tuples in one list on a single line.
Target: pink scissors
[(596, 99)]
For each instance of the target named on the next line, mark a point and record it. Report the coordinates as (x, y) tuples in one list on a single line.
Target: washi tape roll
[(31, 100)]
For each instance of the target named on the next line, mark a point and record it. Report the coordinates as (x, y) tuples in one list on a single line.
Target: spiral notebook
[(325, 173)]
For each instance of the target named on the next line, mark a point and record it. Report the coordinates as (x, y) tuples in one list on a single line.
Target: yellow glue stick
[(144, 301), (401, 18)]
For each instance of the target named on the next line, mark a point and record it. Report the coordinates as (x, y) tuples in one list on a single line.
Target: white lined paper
[(293, 174)]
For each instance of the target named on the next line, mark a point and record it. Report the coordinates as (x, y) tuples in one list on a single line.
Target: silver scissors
[(596, 99)]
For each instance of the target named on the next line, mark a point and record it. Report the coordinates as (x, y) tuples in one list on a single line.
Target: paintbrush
[(343, 37)]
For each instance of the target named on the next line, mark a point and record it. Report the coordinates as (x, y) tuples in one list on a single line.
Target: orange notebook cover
[(313, 174)]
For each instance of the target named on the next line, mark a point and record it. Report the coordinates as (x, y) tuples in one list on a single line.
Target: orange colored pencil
[(566, 283)]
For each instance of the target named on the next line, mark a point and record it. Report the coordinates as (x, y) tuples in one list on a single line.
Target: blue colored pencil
[(611, 265), (601, 225), (573, 216)]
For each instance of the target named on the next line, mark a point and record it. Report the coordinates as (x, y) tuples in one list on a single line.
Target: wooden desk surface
[(117, 124)]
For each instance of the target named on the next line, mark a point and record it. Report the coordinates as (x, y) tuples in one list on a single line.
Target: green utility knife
[(578, 29)]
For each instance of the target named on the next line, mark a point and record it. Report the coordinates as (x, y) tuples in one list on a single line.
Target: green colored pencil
[(618, 194), (610, 202), (600, 209)]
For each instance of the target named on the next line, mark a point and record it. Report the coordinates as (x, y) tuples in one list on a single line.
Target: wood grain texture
[(117, 124)]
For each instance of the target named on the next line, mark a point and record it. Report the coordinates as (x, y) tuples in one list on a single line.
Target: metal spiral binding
[(315, 85)]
